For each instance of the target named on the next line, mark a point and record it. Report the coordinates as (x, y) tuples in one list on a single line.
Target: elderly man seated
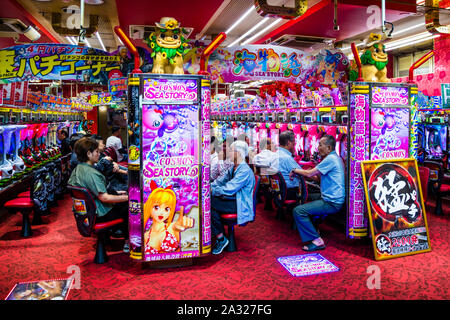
[(232, 193), (332, 188)]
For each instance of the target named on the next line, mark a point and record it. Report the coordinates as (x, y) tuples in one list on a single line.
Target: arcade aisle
[(248, 274)]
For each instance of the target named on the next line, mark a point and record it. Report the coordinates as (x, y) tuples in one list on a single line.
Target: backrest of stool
[(303, 190), (84, 210), (278, 186), (38, 190), (57, 174), (50, 181), (436, 173), (65, 171)]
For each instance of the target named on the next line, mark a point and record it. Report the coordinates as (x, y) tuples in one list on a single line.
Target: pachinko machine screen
[(435, 141), (173, 190)]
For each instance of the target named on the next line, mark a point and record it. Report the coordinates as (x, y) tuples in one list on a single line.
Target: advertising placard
[(41, 290), (20, 94), (266, 62), (395, 207), (171, 91), (359, 119), (171, 177), (307, 264), (56, 62), (390, 96), (389, 131)]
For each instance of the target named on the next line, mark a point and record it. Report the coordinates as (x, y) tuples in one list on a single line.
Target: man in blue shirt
[(285, 162), (232, 193), (332, 188)]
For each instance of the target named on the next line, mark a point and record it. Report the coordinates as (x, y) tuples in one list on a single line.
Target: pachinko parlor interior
[(224, 150)]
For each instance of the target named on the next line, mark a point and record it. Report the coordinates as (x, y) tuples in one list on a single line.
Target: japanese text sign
[(56, 62), (171, 91), (396, 96), (256, 62), (395, 208), (389, 133)]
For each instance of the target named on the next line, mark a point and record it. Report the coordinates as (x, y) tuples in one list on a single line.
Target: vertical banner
[(134, 170), (171, 172), (359, 140), (20, 94), (414, 124), (389, 133), (8, 93), (395, 207), (206, 154)]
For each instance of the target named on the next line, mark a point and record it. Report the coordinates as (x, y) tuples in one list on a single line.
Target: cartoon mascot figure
[(373, 61), (168, 44)]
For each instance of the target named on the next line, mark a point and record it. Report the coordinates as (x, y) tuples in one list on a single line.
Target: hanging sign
[(265, 62), (20, 94), (395, 208), (56, 62)]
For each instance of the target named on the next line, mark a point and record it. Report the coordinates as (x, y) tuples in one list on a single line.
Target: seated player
[(115, 141), (116, 176), (332, 187), (109, 207), (63, 136), (232, 193), (285, 163), (266, 158)]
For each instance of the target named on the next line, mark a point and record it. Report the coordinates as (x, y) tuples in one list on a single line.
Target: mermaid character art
[(162, 234), (327, 71)]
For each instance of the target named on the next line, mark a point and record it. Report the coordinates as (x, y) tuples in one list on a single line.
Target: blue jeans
[(302, 218)]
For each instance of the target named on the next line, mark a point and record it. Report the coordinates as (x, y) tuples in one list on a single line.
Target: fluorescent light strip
[(413, 42), (422, 35), (409, 28), (250, 10), (87, 42), (349, 48), (262, 31), (70, 40), (248, 32), (100, 40)]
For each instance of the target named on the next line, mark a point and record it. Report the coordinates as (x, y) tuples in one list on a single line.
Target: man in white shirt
[(116, 142), (266, 158)]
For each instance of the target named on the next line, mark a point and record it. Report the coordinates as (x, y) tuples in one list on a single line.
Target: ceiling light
[(349, 48), (240, 19), (423, 35), (94, 2), (408, 28), (100, 40), (248, 32), (262, 31), (409, 43), (87, 42), (70, 40)]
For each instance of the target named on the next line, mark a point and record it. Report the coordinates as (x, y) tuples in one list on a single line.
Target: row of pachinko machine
[(381, 121), (28, 144)]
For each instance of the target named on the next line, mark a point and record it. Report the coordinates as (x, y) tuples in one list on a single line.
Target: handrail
[(357, 60), (417, 64), (210, 49)]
